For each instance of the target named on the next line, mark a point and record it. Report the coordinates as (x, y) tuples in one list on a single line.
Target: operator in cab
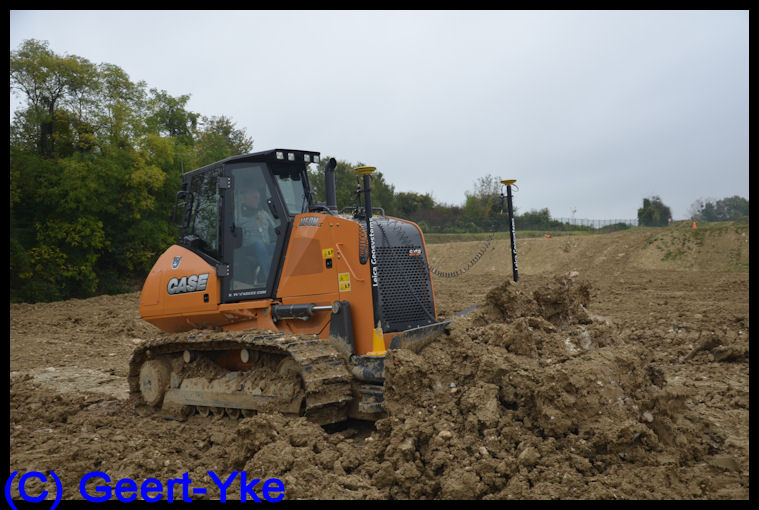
[(258, 238)]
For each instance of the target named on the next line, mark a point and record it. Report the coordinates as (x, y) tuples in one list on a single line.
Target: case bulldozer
[(274, 302)]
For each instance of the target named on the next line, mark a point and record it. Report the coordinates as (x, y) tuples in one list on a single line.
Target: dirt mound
[(531, 384), (562, 301)]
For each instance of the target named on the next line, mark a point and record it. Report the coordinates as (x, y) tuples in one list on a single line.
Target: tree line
[(654, 213), (96, 161), (484, 208)]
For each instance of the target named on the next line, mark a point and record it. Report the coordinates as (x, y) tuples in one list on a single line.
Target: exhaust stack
[(329, 184)]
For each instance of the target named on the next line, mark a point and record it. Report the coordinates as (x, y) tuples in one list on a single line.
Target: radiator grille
[(405, 291)]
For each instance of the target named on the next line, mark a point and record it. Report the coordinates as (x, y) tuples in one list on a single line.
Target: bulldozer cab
[(237, 215)]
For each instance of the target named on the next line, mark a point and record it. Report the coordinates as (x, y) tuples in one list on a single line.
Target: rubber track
[(326, 380)]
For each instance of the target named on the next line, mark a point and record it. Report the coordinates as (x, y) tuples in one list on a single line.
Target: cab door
[(255, 230)]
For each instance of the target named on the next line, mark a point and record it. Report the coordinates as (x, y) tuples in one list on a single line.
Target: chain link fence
[(500, 223), (597, 224)]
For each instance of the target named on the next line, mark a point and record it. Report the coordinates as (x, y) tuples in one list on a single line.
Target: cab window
[(291, 185), (203, 225)]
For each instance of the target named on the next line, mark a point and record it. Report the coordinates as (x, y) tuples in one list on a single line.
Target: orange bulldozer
[(276, 303)]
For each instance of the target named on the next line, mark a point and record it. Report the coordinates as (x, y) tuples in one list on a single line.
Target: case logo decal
[(192, 283)]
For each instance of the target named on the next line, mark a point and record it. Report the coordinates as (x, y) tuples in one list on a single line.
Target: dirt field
[(617, 368)]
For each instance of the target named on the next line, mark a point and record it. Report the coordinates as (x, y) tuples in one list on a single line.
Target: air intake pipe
[(329, 184)]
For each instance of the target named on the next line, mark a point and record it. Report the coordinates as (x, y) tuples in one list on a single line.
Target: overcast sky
[(591, 111)]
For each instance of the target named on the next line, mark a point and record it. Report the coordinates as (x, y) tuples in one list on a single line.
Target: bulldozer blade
[(417, 338)]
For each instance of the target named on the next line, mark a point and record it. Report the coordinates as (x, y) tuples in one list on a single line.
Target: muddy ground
[(616, 368)]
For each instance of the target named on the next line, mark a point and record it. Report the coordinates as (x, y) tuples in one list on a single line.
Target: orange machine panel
[(323, 266), (181, 292)]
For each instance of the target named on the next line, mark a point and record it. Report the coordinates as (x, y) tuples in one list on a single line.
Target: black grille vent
[(405, 292)]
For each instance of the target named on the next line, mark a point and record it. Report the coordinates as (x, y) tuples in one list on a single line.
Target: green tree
[(535, 220), (95, 162), (653, 213), (218, 139), (169, 116), (726, 209), (120, 115), (409, 204), (94, 166), (485, 199), (49, 83)]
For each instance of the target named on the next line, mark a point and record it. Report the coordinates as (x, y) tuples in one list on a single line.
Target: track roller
[(154, 381)]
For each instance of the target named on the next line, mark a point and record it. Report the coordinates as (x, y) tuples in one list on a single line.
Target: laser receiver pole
[(508, 183), (378, 342)]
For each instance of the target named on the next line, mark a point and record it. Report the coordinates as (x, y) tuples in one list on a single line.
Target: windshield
[(293, 190)]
